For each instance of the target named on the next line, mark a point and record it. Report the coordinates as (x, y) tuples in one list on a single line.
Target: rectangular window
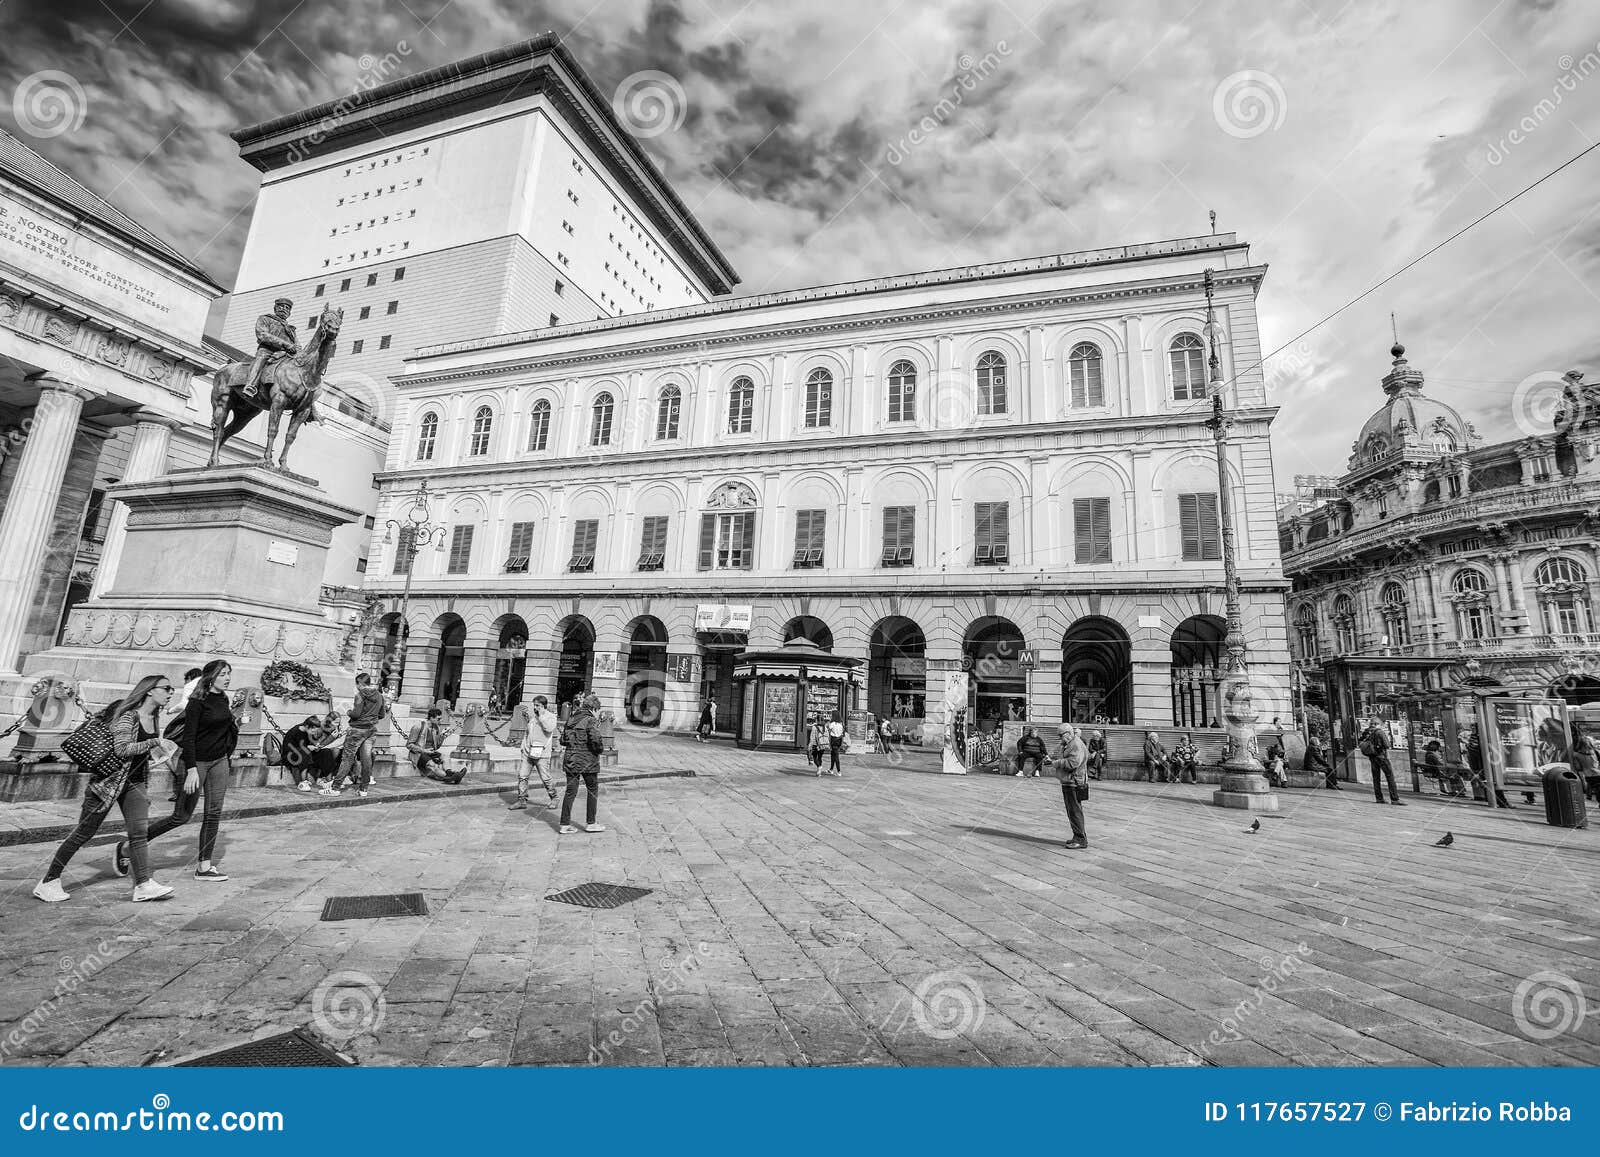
[(400, 273), (560, 287), (991, 533), (311, 322), (554, 320), (653, 542), (460, 550), (810, 534), (1091, 529), (361, 566), (321, 285), (383, 342), (899, 531), (366, 312), (1201, 533), (372, 279), (394, 307), (404, 553), (585, 539), (521, 548), (727, 541), (344, 286), (357, 346)]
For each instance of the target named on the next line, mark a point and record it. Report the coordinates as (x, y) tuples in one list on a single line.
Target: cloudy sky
[(1362, 134)]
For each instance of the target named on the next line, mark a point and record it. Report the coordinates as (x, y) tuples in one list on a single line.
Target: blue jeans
[(135, 805), (214, 784)]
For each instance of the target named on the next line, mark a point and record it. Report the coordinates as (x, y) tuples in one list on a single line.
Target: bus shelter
[(1508, 736)]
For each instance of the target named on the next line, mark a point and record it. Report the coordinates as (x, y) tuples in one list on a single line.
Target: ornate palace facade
[(1436, 560), (1004, 468)]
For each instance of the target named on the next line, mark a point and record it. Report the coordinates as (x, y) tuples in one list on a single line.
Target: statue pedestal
[(217, 563)]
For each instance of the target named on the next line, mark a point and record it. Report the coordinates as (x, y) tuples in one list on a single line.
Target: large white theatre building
[(1003, 468)]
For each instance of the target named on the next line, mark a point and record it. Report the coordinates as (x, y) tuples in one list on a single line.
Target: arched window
[(482, 426), (539, 426), (667, 411), (819, 399), (1469, 593), (741, 406), (902, 392), (991, 383), (600, 420), (1396, 614), (1343, 617), (1305, 631), (1444, 441), (427, 437), (1186, 359), (1376, 447), (1083, 368), (1563, 590)]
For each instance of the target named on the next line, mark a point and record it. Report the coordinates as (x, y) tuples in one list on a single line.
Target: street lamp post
[(415, 532), (1244, 782)]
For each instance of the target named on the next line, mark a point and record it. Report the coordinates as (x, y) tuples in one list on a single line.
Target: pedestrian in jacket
[(581, 745), (1375, 746), (1155, 758), (708, 720), (423, 745), (366, 712), (1030, 749), (817, 742), (136, 740), (538, 750), (210, 733), (1097, 754), (1586, 760), (1186, 760), (835, 745), (1072, 769)]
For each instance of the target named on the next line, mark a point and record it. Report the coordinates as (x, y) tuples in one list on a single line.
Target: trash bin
[(1564, 805)]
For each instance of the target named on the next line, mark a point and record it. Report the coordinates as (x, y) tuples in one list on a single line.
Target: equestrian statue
[(284, 376)]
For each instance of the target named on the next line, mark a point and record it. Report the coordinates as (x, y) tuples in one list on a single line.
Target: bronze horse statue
[(290, 383)]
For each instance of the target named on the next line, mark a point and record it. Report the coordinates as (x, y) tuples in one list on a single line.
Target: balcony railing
[(1467, 648)]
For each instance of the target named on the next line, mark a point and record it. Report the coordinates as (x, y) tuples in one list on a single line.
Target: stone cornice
[(699, 344), (890, 446)]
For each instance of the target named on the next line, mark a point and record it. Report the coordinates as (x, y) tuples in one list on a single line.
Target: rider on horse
[(274, 337)]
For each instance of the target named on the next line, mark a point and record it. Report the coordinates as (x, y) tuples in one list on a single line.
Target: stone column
[(152, 442), (54, 580), (477, 673), (31, 508)]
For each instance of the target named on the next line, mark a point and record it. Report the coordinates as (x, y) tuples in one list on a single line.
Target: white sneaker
[(151, 890), (594, 827), (329, 790), (50, 891), (304, 786), (362, 792), (566, 830)]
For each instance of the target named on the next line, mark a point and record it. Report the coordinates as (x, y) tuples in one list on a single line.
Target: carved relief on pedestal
[(165, 633), (190, 631), (264, 638), (9, 307), (59, 329), (157, 370), (112, 351)]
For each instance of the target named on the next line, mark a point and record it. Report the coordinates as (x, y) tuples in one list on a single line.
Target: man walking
[(538, 748), (1072, 769), (274, 335), (1375, 746), (581, 747)]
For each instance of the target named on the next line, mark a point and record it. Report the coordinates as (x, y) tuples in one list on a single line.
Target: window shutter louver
[(708, 540), (1210, 527), (746, 523), (1082, 531), (1189, 524), (1101, 510), (460, 549)]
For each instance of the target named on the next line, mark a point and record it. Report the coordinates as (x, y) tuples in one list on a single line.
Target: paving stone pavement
[(893, 916)]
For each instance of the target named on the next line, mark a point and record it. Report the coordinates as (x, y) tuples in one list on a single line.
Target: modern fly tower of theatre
[(498, 194), (1003, 468)]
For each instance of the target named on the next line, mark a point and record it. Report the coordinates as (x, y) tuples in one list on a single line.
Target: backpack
[(1369, 746)]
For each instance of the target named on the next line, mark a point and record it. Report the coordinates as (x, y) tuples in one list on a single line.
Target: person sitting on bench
[(423, 744), (1030, 749)]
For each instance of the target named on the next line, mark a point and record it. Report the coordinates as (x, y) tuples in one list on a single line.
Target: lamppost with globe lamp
[(1244, 784), (415, 532)]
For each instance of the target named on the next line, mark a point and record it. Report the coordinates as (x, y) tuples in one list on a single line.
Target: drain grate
[(593, 895), (290, 1050), (375, 907)]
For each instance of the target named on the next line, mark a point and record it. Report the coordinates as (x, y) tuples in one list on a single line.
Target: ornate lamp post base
[(1245, 790)]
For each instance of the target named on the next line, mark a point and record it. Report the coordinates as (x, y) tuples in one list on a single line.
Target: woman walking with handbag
[(135, 728), (210, 734)]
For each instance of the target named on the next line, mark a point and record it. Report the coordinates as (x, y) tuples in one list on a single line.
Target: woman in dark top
[(209, 737), (136, 734)]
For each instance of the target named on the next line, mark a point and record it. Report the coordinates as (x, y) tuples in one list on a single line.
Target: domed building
[(1436, 562)]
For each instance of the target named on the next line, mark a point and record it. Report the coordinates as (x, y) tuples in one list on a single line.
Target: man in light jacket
[(538, 750), (1072, 769)]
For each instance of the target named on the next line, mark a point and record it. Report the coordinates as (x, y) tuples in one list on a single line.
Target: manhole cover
[(290, 1050), (593, 895), (374, 907)]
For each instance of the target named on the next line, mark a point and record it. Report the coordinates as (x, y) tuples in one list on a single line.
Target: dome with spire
[(1409, 419)]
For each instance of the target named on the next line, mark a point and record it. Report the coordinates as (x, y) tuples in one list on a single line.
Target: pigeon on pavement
[(1445, 841)]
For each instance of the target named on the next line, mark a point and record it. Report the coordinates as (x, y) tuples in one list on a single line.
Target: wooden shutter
[(1091, 529), (404, 553), (1189, 524), (654, 539), (708, 540), (1210, 527), (460, 549), (746, 526), (521, 539), (983, 528), (1000, 530), (587, 536)]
